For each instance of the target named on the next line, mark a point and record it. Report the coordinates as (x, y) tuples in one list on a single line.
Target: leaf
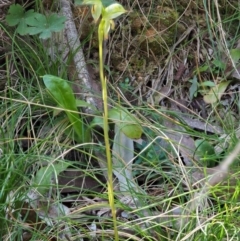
[(123, 153), (82, 103), (235, 54), (79, 103), (107, 3), (126, 122), (44, 175), (15, 14), (219, 64), (204, 147), (216, 92), (97, 121), (33, 23), (202, 68), (78, 2), (205, 150), (63, 94), (18, 16), (45, 25), (208, 84), (194, 87)]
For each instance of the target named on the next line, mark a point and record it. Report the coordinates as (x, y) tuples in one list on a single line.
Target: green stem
[(106, 136)]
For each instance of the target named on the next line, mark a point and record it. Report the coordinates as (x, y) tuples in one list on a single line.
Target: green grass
[(32, 137)]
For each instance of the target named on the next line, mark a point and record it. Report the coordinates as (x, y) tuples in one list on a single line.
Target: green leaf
[(97, 121), (33, 23), (122, 156), (105, 3), (235, 54), (82, 103), (78, 2), (18, 16), (63, 94), (194, 87), (44, 175), (126, 122), (219, 64), (208, 84), (205, 150), (45, 25), (216, 92), (203, 68), (15, 14)]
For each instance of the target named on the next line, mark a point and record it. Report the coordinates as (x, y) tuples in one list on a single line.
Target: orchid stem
[(106, 136)]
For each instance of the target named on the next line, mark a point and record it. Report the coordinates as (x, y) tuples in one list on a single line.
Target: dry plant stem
[(83, 78)]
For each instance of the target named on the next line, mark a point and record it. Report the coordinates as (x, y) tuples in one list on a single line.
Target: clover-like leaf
[(45, 25), (18, 16), (15, 14)]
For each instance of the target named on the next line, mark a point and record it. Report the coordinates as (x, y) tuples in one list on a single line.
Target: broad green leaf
[(63, 94), (79, 103), (122, 156), (18, 16), (126, 122), (32, 23), (45, 25), (15, 14), (37, 20), (44, 175), (216, 92), (194, 87), (235, 54)]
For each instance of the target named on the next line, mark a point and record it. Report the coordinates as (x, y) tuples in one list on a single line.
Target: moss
[(160, 30)]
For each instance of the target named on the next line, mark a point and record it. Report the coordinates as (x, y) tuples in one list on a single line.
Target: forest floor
[(172, 70)]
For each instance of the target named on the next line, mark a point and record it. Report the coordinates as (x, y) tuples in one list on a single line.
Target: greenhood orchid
[(108, 10)]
